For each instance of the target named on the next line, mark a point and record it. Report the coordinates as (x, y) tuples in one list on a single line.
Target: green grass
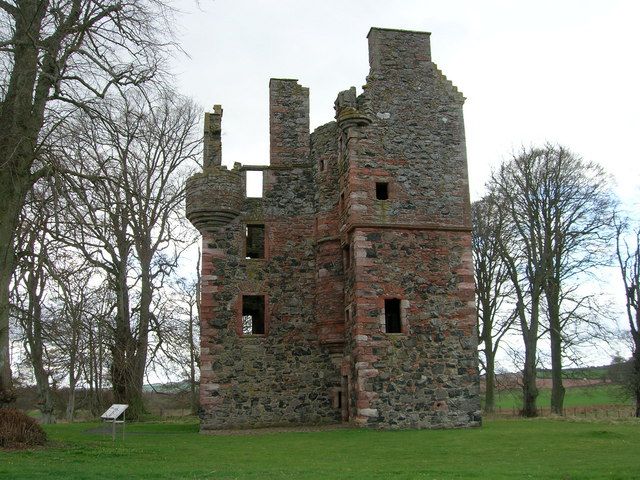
[(501, 449), (574, 397)]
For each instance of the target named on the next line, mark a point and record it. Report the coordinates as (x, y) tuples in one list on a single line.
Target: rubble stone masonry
[(367, 213)]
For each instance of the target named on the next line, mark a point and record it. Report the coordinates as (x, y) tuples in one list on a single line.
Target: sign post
[(113, 413)]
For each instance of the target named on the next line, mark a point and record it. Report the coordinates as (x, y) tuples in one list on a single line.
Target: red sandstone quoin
[(346, 292)]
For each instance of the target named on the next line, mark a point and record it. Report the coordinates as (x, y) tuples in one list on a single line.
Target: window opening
[(253, 314), (392, 316), (254, 184), (346, 256), (344, 398), (322, 164), (254, 241), (382, 190)]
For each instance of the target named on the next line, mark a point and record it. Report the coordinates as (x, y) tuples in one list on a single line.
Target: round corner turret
[(214, 198)]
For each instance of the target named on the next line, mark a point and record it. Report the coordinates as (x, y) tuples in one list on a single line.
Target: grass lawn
[(501, 449), (574, 397)]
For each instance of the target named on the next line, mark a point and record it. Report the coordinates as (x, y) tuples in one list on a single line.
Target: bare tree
[(72, 308), (29, 291), (492, 287), (575, 214), (59, 55), (127, 202), (520, 249), (97, 322), (180, 341), (628, 254), (558, 211), (154, 170)]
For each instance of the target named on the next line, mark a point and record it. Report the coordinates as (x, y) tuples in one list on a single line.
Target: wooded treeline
[(94, 150), (541, 235)]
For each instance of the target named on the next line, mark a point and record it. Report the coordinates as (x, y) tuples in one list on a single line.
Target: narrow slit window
[(322, 166), (382, 190), (392, 320), (254, 241), (253, 315), (346, 256)]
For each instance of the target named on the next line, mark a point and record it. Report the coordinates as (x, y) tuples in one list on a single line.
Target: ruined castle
[(345, 293)]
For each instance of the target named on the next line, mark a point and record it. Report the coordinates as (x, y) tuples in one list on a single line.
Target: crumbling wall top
[(288, 122), (212, 148)]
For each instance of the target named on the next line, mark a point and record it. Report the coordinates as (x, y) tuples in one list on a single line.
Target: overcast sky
[(532, 71)]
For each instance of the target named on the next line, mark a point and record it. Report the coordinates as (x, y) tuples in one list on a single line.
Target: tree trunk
[(73, 378), (142, 344), (7, 394), (557, 388), (552, 293), (636, 371), (490, 376), (71, 401), (45, 399), (71, 404), (34, 338), (21, 118), (529, 372), (126, 387), (529, 387), (12, 199)]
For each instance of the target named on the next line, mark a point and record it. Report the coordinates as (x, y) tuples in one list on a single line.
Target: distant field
[(597, 373), (574, 397), (501, 449)]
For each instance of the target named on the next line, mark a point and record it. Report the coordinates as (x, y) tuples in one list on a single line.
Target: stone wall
[(413, 246), (426, 376), (282, 377), (288, 122)]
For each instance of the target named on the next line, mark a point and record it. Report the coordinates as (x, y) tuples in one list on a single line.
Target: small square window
[(382, 190), (392, 320), (253, 315), (254, 241)]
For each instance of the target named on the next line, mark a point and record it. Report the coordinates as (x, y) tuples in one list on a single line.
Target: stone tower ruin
[(344, 293)]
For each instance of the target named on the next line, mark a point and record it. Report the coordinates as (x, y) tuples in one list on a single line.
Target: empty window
[(321, 164), (253, 314), (255, 241), (382, 190), (392, 315), (254, 184)]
